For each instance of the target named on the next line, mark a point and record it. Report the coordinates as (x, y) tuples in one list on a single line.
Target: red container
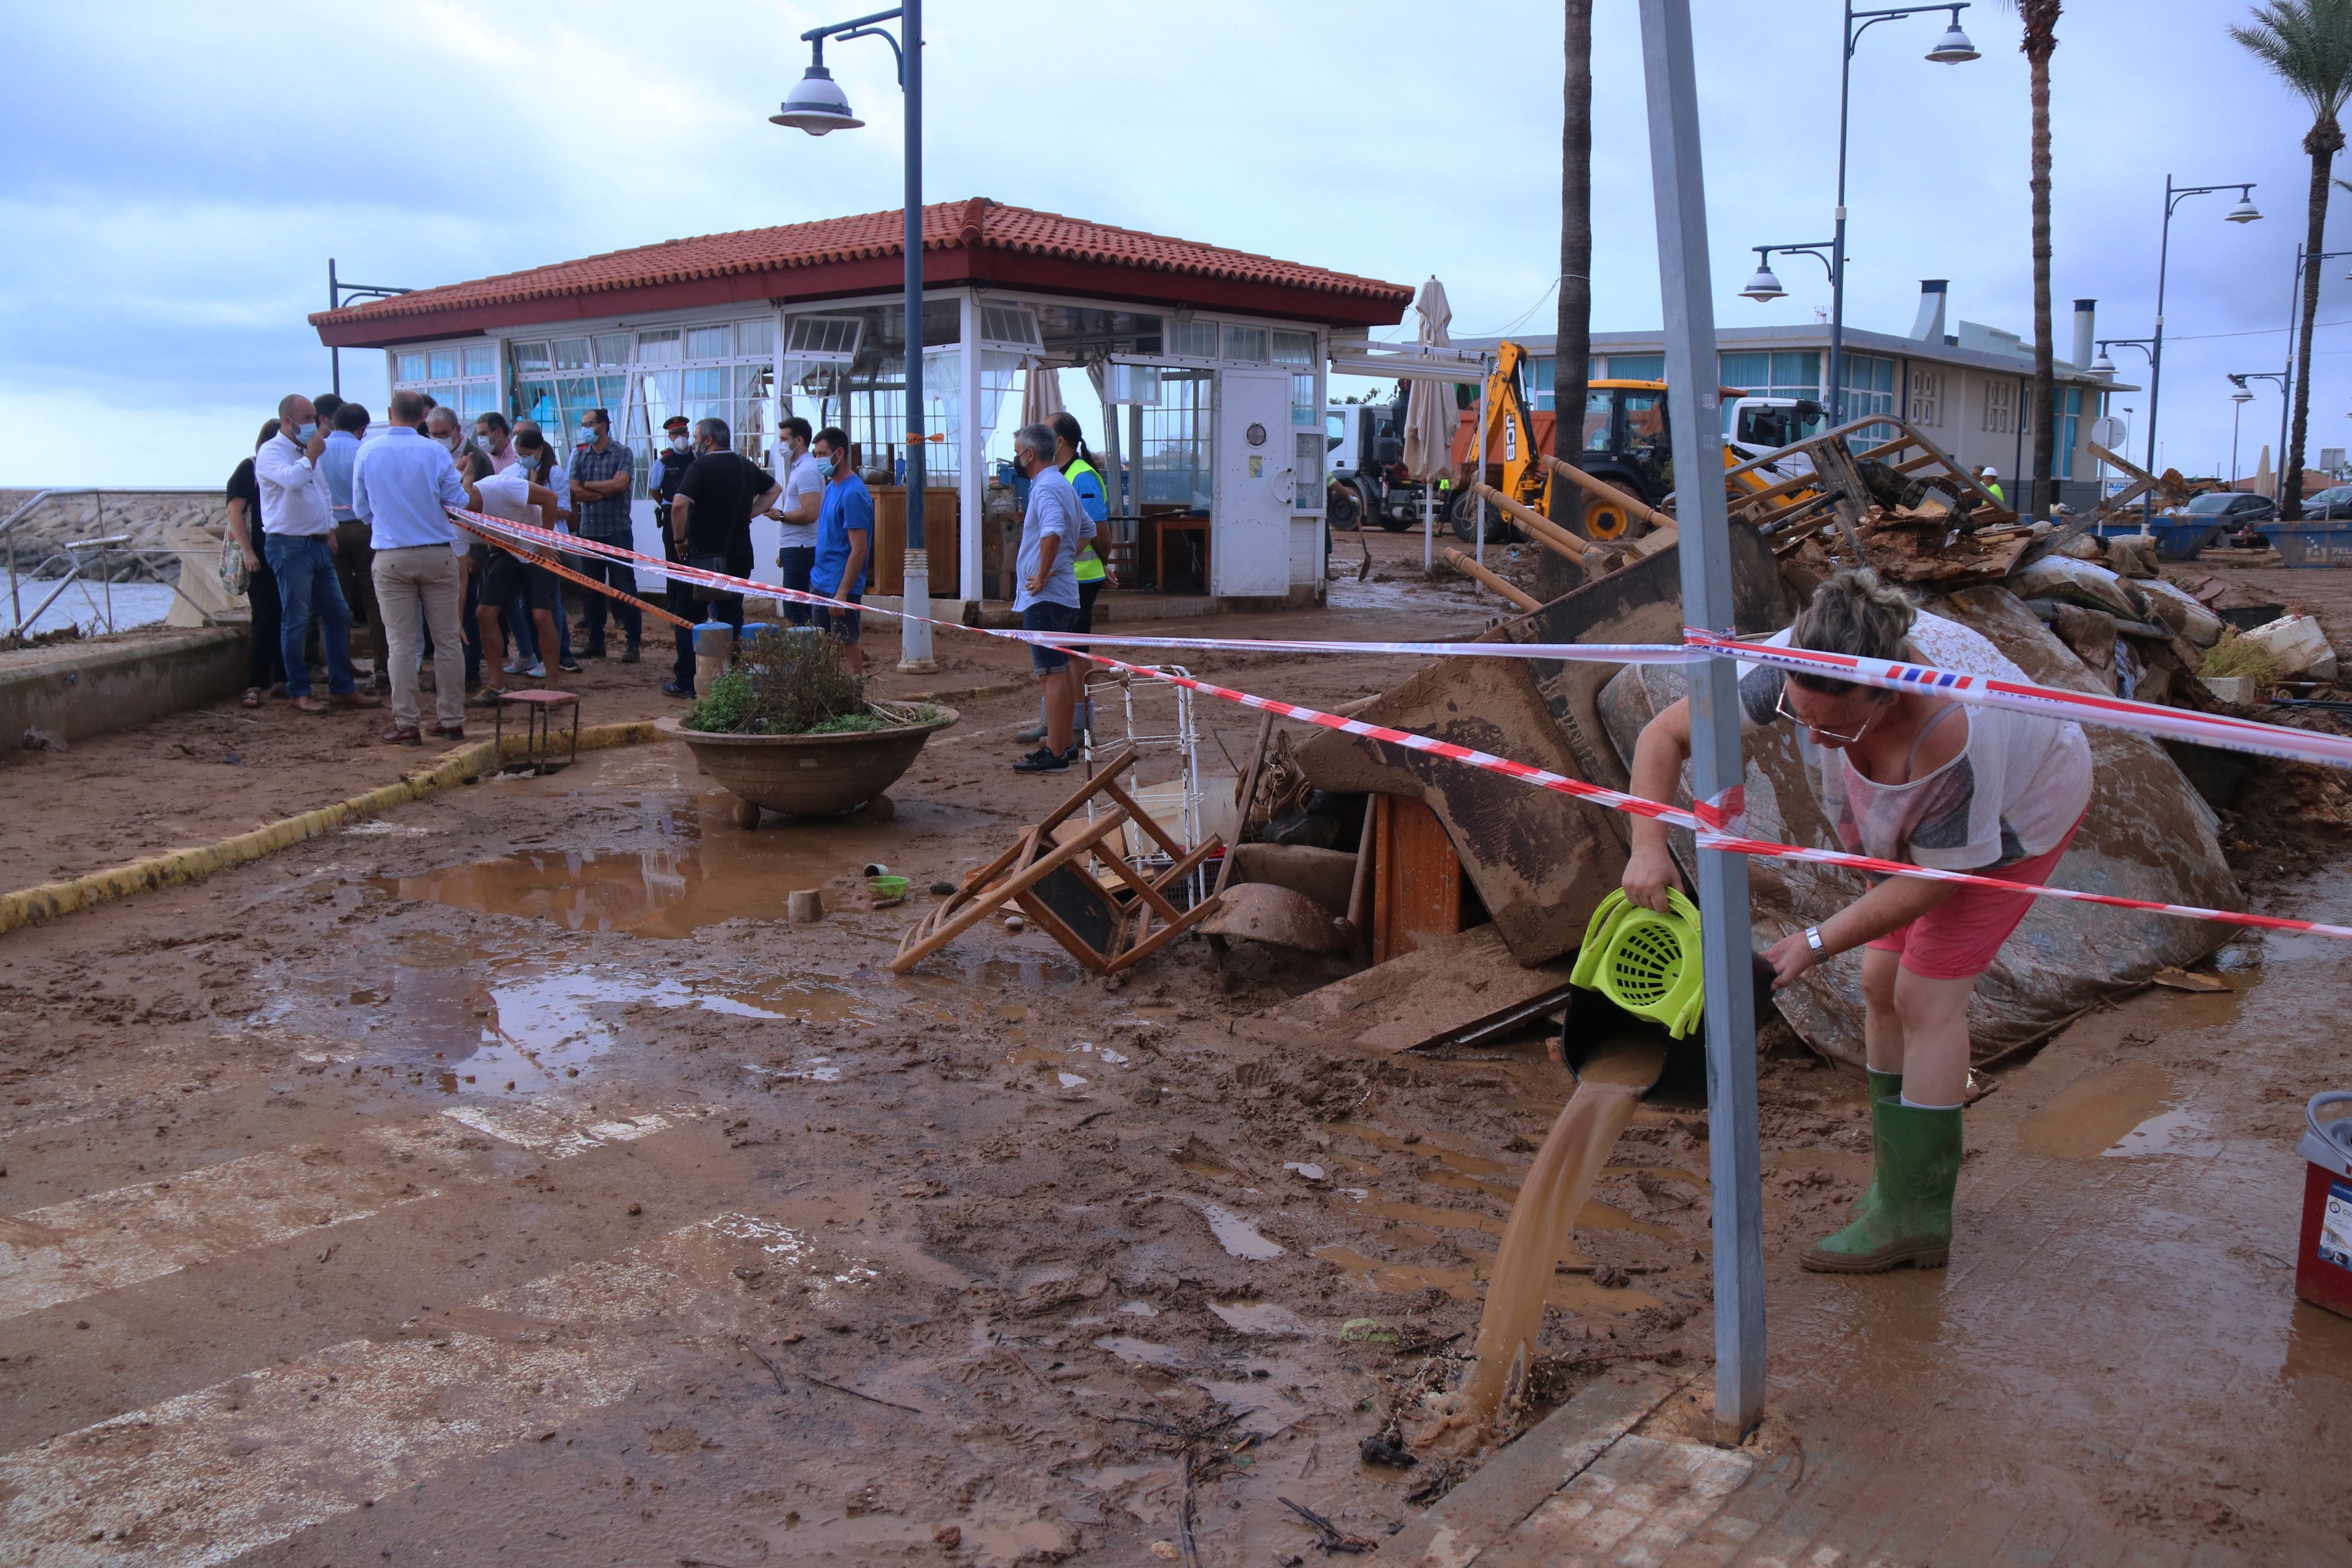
[(2323, 1259)]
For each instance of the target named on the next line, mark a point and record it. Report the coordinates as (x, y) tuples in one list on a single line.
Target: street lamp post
[(2173, 196), (817, 105), (2243, 394), (1953, 48), (2105, 366), (338, 292)]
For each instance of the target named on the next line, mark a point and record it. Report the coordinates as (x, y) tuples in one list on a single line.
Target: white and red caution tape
[(1714, 823)]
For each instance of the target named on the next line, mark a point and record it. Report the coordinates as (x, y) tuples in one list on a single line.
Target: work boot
[(629, 654), (1906, 1215), (1883, 1087), (595, 648)]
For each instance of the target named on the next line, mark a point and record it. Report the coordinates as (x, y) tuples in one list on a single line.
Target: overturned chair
[(1048, 876)]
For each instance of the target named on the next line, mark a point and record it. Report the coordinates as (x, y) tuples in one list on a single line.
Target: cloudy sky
[(180, 175)]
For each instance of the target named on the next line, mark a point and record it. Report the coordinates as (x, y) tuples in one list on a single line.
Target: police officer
[(670, 464)]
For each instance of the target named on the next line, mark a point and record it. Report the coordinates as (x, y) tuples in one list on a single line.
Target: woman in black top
[(265, 666)]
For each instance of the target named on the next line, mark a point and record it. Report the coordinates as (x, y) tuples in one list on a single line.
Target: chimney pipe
[(1929, 327), (2085, 323)]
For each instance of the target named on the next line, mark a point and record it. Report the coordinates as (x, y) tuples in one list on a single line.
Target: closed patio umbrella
[(1429, 418), (1041, 399)]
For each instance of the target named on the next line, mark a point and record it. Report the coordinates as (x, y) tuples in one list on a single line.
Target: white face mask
[(680, 444)]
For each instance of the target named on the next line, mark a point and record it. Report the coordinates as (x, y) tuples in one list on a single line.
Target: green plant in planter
[(785, 683)]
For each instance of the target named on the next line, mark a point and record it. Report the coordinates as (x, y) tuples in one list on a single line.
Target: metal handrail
[(104, 545)]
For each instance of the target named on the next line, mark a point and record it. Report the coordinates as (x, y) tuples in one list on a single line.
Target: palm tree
[(1572, 347), (2040, 18), (2308, 43)]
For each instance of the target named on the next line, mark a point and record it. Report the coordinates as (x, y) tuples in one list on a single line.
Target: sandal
[(252, 698)]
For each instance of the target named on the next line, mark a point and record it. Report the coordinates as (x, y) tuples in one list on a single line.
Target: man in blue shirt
[(401, 486), (1051, 528), (845, 541), (604, 472)]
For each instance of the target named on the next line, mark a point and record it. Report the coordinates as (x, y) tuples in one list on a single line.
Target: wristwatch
[(1813, 941)]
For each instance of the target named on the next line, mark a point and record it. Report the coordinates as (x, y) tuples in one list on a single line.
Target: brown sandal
[(252, 698)]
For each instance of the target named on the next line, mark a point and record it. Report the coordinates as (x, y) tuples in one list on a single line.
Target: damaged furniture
[(1073, 881)]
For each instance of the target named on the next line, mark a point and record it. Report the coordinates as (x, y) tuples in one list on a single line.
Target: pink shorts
[(1957, 938)]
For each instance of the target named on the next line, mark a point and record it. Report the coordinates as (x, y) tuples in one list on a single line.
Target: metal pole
[(915, 635), (1837, 239), (2156, 359), (1734, 1150), (335, 355)]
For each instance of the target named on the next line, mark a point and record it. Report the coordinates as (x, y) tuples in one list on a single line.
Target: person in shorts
[(1051, 529), (803, 480), (845, 542), (1906, 777), (513, 494)]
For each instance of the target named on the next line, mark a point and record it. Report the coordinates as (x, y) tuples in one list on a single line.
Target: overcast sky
[(180, 175)]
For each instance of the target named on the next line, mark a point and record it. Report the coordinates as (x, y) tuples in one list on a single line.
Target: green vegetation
[(793, 683)]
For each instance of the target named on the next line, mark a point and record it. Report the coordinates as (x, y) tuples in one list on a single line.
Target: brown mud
[(508, 1183)]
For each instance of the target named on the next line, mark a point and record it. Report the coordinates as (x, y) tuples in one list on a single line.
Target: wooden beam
[(1510, 593)]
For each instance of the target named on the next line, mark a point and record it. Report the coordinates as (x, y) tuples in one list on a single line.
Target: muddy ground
[(505, 1181)]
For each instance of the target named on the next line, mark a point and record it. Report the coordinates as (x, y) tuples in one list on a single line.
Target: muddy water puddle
[(704, 871), (2114, 1112)]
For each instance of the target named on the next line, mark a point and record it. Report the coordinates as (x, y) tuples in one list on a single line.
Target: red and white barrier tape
[(1709, 821)]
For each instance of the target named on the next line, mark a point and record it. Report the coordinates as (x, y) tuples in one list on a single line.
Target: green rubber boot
[(1907, 1213), (1883, 1087)]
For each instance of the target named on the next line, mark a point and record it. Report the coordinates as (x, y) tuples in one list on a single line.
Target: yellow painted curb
[(31, 906)]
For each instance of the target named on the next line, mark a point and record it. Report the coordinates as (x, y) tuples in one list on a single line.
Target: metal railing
[(75, 560)]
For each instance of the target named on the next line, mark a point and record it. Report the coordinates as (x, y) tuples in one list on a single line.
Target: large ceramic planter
[(807, 775)]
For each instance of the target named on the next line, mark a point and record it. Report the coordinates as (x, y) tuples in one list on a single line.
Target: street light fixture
[(818, 106), (2174, 195), (1765, 284), (1953, 48)]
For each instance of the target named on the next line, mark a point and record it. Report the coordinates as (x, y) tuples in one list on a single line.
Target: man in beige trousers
[(401, 486)]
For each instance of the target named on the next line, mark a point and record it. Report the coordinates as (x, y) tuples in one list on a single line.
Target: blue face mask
[(587, 435), (302, 434)]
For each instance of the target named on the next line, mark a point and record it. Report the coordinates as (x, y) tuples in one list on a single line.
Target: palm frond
[(2307, 43)]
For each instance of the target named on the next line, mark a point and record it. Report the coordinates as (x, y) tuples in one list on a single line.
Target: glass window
[(1540, 381), (613, 349), (1194, 340), (535, 401), (531, 359), (1303, 412), (481, 362), (1293, 348), (1176, 462), (1869, 389), (1749, 372), (756, 337), (444, 365), (476, 399), (656, 348), (1637, 367), (1309, 465), (1597, 412), (571, 354), (408, 366), (708, 342), (1245, 344), (2065, 427)]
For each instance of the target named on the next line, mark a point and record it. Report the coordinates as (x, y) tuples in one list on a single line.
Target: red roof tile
[(975, 227)]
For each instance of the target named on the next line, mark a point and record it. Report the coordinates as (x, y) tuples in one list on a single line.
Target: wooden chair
[(1105, 927)]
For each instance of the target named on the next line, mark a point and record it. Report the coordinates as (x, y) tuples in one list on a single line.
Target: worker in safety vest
[(1990, 477), (1083, 472)]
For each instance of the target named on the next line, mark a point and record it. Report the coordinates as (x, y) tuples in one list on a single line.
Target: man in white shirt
[(510, 579), (401, 484), (804, 487), (297, 520)]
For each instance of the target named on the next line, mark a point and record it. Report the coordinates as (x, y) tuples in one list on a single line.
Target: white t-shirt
[(806, 478), (508, 495), (2012, 791)]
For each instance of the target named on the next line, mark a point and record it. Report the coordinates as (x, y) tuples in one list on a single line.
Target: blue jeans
[(305, 570)]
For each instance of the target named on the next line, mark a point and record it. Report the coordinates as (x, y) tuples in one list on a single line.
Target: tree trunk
[(2040, 19), (2325, 137), (1573, 344)]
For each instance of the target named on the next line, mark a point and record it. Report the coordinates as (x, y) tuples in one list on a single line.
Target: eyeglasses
[(1782, 707)]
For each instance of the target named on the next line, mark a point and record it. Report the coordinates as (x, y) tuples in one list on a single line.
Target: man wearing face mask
[(491, 434), (297, 518), (442, 428), (603, 472), (710, 518), (669, 472)]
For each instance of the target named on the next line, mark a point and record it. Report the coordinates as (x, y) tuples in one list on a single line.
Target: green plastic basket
[(887, 887), (1645, 962)]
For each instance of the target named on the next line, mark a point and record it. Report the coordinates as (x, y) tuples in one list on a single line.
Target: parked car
[(2332, 505), (2231, 508)]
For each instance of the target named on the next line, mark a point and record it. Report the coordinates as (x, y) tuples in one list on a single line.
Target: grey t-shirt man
[(1052, 509)]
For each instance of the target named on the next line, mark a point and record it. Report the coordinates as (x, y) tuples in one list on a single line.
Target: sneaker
[(570, 666), (512, 666), (538, 671), (629, 654), (596, 649), (1044, 759), (672, 689), (1030, 734)]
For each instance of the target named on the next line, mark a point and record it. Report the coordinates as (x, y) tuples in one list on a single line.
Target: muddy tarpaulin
[(1541, 861), (2147, 835)]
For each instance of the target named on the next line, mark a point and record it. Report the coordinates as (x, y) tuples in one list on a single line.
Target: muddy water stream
[(1610, 1086)]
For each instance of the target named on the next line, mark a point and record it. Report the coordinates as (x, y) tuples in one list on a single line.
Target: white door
[(1249, 528)]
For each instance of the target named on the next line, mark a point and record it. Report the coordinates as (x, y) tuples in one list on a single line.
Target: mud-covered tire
[(1464, 514)]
